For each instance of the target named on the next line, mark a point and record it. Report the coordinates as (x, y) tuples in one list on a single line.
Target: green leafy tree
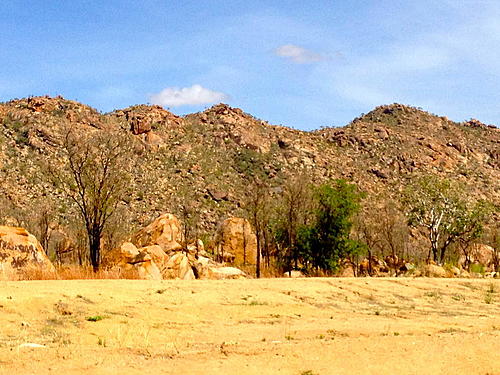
[(445, 212), (327, 239)]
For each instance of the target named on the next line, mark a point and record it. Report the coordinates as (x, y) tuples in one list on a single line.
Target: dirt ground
[(268, 326)]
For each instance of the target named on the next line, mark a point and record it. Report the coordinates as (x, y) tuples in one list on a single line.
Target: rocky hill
[(213, 156)]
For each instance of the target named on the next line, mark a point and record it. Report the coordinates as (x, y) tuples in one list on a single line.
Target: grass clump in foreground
[(490, 293), (94, 318)]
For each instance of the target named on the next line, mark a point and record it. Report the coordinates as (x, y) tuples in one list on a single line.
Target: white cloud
[(298, 54), (194, 95)]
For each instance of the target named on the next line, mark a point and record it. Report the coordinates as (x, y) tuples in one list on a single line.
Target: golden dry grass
[(72, 272), (266, 326)]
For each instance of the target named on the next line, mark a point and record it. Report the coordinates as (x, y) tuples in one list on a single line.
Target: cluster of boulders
[(158, 252), (233, 123), (145, 119), (155, 252), (482, 256)]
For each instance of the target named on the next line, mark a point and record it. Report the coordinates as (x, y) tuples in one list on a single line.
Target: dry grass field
[(268, 326)]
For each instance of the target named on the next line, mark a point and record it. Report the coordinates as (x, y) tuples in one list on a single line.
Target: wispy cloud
[(194, 95), (297, 54)]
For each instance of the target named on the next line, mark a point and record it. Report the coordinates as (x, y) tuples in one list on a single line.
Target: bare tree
[(186, 205), (255, 207), (394, 233), (295, 206), (368, 231), (95, 176)]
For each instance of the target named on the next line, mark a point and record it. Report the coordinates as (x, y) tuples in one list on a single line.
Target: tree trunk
[(257, 266), (370, 267), (95, 247), (244, 244)]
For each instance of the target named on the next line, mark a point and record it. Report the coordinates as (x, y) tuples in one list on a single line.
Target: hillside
[(213, 156)]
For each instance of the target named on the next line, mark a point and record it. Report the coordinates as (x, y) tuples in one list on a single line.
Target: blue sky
[(297, 63)]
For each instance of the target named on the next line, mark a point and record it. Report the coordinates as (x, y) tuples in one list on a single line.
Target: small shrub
[(477, 268), (95, 318), (489, 296)]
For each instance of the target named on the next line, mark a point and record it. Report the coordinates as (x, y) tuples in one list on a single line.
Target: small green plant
[(101, 341), (433, 294), (458, 297), (308, 372), (451, 330), (477, 268), (491, 289), (489, 296), (95, 318)]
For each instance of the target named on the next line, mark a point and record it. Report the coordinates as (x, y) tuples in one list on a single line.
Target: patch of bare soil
[(268, 326)]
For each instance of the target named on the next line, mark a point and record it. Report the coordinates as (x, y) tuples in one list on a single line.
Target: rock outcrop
[(234, 124), (155, 254), (144, 118), (20, 251), (165, 231), (237, 241), (129, 258), (433, 270), (222, 273)]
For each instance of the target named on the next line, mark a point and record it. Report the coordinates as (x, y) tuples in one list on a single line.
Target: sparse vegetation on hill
[(203, 167)]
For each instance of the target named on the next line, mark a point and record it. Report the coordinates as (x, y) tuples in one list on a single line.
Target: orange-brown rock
[(156, 253), (19, 251), (144, 118), (433, 270), (127, 257), (236, 237), (164, 231), (243, 129), (179, 267), (153, 140), (222, 273)]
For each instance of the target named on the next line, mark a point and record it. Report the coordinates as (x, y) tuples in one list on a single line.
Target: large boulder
[(433, 270), (223, 273), (237, 238), (179, 267), (165, 231), (129, 258), (21, 251)]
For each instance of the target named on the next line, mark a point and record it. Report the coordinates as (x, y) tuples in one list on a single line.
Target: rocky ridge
[(213, 156)]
